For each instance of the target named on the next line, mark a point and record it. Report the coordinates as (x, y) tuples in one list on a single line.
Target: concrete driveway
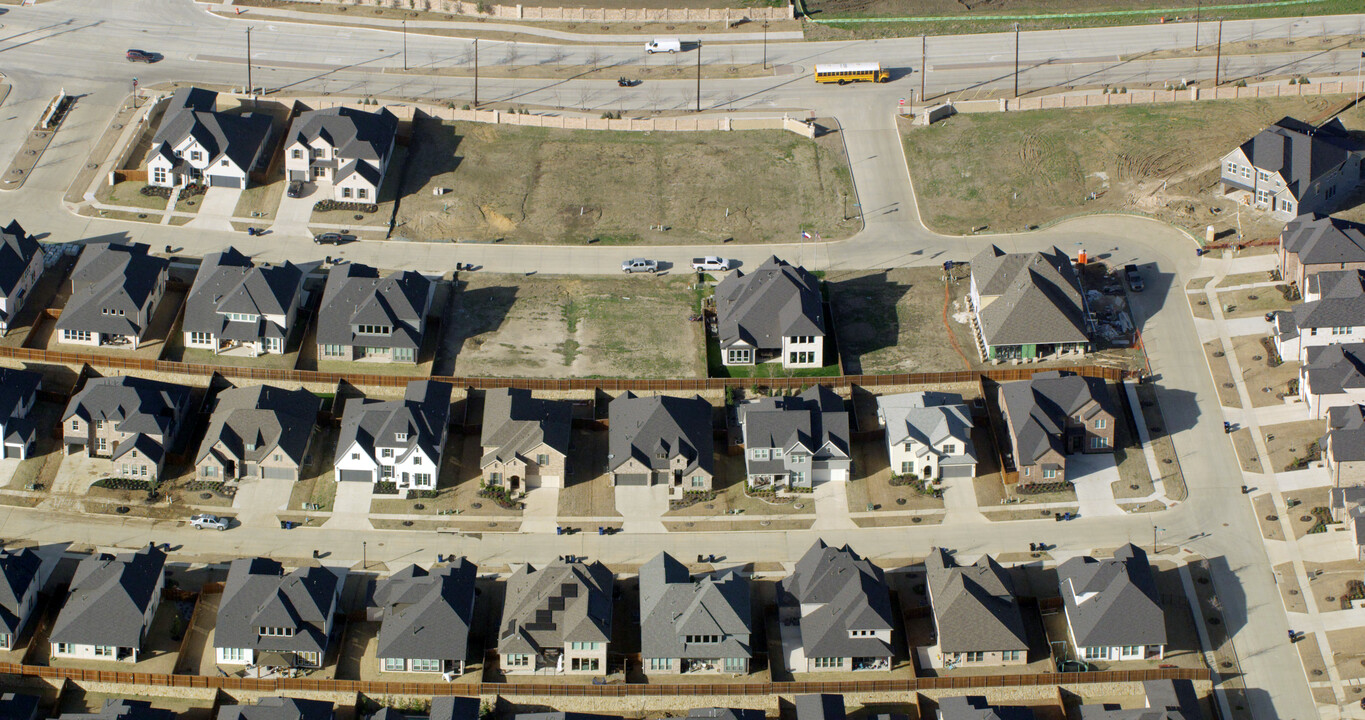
[(351, 509), (258, 501), (542, 511), (78, 472), (642, 507), (831, 507), (1093, 476), (294, 213), (216, 208)]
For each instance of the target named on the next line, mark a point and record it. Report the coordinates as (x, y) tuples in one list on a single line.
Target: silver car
[(640, 265), (209, 521)]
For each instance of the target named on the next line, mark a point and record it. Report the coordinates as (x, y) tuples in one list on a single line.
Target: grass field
[(891, 321), (522, 184), (1010, 171)]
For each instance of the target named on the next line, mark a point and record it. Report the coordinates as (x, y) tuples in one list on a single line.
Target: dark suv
[(141, 56), (295, 189)]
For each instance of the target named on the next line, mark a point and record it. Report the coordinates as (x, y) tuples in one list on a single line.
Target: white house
[(197, 144), (21, 264), (928, 434), (1333, 312), (773, 313), (112, 602), (398, 441), (344, 148)]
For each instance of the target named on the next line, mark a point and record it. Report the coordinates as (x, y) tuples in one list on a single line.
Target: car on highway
[(209, 521), (141, 56), (1134, 278), (635, 265), (295, 189)]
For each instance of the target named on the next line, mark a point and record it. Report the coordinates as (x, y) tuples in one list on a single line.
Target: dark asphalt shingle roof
[(278, 708), (853, 595), (115, 278), (1038, 409), (816, 420), (356, 295), (1166, 700), (266, 417), (123, 709), (1333, 369), (191, 112), (258, 593), (19, 571), (447, 707), (558, 603), (1039, 298), (975, 707), (774, 301), (673, 606), (422, 415), (1341, 301), (1112, 602), (974, 606), (719, 713), (656, 429), (17, 251), (1346, 432), (229, 282), (17, 387), (109, 599), (136, 405), (928, 419), (426, 614), (1321, 240), (515, 423), (1297, 151), (18, 706), (827, 706), (353, 133)]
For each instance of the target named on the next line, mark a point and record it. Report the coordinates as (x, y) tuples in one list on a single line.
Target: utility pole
[(249, 89), (923, 64), (405, 46), (1218, 59), (476, 73), (1016, 61), (698, 75), (1358, 87), (1198, 11), (1155, 529), (765, 45), (364, 555)]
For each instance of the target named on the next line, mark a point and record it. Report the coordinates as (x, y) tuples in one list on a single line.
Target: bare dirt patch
[(1252, 302), (1264, 506), (892, 321), (1291, 442), (1246, 451), (1222, 374), (1266, 379), (1288, 582)]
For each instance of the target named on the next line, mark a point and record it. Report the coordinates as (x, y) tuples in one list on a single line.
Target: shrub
[(386, 487), (328, 205), (499, 495), (124, 484), (1040, 488), (423, 494), (155, 191)]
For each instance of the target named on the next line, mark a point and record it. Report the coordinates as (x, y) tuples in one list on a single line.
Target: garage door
[(956, 472), (357, 476), (225, 181), (632, 479), (269, 473), (11, 451)]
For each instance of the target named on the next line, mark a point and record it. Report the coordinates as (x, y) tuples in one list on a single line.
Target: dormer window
[(373, 329), (401, 437), (276, 632), (250, 447), (242, 317), (701, 639), (777, 453)]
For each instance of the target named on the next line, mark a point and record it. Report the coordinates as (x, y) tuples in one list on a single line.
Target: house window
[(276, 632), (734, 665), (777, 453), (1049, 473), (331, 350), (230, 654), (739, 356), (403, 354), (201, 338), (210, 471), (1262, 176), (701, 639), (1232, 169), (318, 153), (423, 479), (75, 424), (393, 664), (1341, 331), (386, 452), (698, 481), (362, 193), (63, 648), (355, 456), (416, 459), (798, 478), (426, 665), (104, 651), (828, 663), (1131, 651), (907, 467), (660, 663), (542, 459), (1096, 653), (1011, 655), (346, 192), (373, 329), (494, 478), (386, 471), (159, 176), (1098, 441), (1101, 423), (974, 656), (196, 156), (223, 163), (586, 664), (242, 317), (76, 335), (759, 454), (1245, 171), (1262, 197), (296, 154), (583, 646), (949, 449), (1286, 205), (802, 357), (401, 437), (516, 660), (102, 444)]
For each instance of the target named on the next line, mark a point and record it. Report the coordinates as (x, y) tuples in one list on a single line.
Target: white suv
[(209, 521)]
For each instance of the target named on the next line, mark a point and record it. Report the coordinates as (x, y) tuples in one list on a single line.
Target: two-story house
[(425, 618), (1292, 168), (132, 421), (236, 304), (397, 441), (1333, 312), (279, 708), (772, 313), (123, 709), (345, 148), (1027, 306), (1161, 700), (661, 440), (688, 626), (525, 440), (796, 441), (114, 293), (365, 317), (1051, 416), (257, 431), (556, 619), (1316, 243), (197, 144), (977, 621), (928, 434), (273, 618), (1332, 376), (111, 605), (22, 576), (21, 264), (1343, 447), (18, 393), (840, 604), (1113, 611)]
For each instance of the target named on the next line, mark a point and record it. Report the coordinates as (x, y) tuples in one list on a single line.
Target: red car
[(141, 56)]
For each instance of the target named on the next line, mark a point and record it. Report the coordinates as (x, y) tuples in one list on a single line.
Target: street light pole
[(405, 46), (1155, 529), (923, 64), (765, 44), (1218, 58), (698, 75), (1198, 11), (248, 61), (476, 73), (1359, 89), (1016, 61), (364, 555)]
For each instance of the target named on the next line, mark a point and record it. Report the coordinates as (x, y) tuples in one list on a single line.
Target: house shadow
[(869, 304), (1179, 411), (471, 313), (439, 143)]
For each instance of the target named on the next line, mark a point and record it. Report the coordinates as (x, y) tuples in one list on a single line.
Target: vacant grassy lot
[(891, 321), (1010, 171), (129, 194), (540, 185), (633, 326)]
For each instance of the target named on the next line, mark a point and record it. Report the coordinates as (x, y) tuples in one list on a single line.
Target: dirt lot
[(1222, 374), (1301, 513), (1264, 507), (1288, 442), (893, 321), (540, 185), (1013, 170), (1246, 451), (576, 327), (587, 490), (1266, 385)]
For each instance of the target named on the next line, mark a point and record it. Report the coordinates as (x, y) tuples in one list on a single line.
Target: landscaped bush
[(191, 190), (386, 487), (124, 484), (692, 498), (423, 494), (916, 483), (1040, 488), (329, 205), (155, 191), (1314, 453), (499, 495)]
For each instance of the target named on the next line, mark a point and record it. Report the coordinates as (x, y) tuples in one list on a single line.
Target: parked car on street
[(327, 239), (141, 56), (1134, 278), (209, 521), (640, 265), (709, 263)]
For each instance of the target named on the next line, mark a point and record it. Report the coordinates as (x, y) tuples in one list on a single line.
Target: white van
[(669, 45)]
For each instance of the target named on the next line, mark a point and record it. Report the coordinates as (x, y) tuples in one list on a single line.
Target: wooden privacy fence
[(272, 685), (560, 384)]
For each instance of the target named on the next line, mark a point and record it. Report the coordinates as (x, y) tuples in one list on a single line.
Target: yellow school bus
[(851, 72)]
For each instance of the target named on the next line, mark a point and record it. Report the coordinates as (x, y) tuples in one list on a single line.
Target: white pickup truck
[(709, 263)]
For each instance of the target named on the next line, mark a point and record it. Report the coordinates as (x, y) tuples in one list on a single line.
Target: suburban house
[(397, 441), (124, 709), (688, 626), (21, 264), (1112, 608), (236, 304), (425, 618), (1162, 700), (1316, 243), (825, 706), (1344, 445), (1292, 168), (114, 293), (661, 440), (276, 619), (347, 148), (18, 393), (1332, 376), (720, 713), (928, 434), (841, 607), (525, 440), (1027, 306), (111, 605), (796, 441), (22, 576), (771, 313), (976, 707), (1333, 311), (1051, 416), (257, 431), (365, 317), (1347, 505), (134, 422), (556, 619), (196, 144), (977, 621), (443, 707), (278, 708)]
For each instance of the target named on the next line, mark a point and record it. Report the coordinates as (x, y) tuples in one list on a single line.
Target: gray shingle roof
[(719, 713), (853, 594), (123, 709), (655, 429), (191, 112), (258, 593), (229, 282), (1320, 240), (1166, 700), (1346, 432), (17, 250), (446, 707), (827, 706), (110, 279), (1333, 369), (774, 301), (974, 606), (1038, 298), (136, 405), (19, 570), (277, 708), (515, 423), (18, 706), (975, 707), (561, 602), (17, 387), (673, 606), (426, 614), (1341, 303), (1112, 602), (356, 295), (816, 420), (563, 716), (422, 414), (266, 417), (1297, 151), (927, 418), (355, 134), (1038, 409), (109, 599)]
